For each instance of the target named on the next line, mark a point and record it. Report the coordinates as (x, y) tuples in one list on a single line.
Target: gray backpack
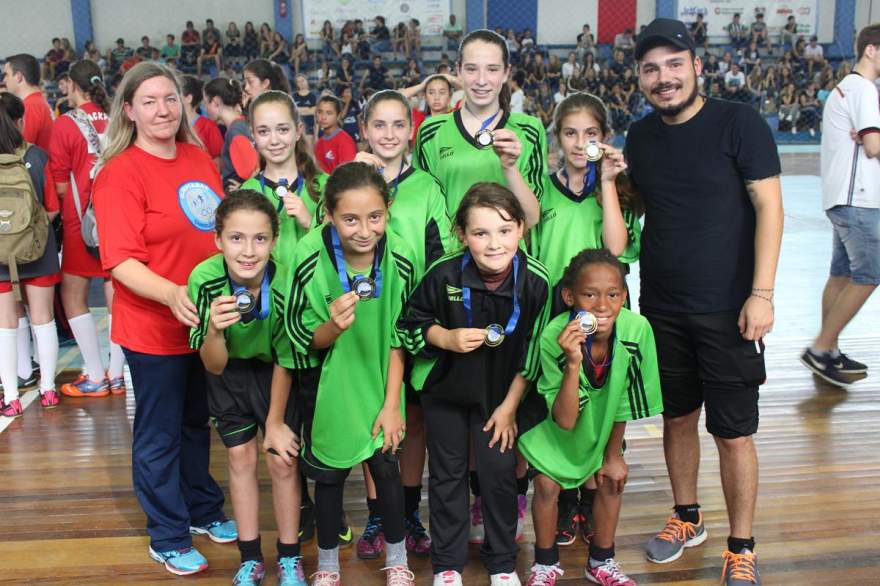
[(87, 221)]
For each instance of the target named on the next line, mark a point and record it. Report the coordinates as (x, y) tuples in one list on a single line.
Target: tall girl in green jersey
[(473, 324), (350, 280), (572, 428), (239, 295), (484, 141), (289, 176)]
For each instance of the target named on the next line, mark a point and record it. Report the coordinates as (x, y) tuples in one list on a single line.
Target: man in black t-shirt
[(708, 172)]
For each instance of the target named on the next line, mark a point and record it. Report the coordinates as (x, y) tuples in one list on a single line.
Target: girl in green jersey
[(241, 340)]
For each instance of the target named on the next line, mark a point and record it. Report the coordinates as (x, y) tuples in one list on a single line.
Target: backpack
[(88, 223), (24, 223)]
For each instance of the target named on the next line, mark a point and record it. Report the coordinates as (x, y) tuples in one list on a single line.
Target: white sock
[(117, 358), (24, 348), (8, 366), (47, 337), (86, 335)]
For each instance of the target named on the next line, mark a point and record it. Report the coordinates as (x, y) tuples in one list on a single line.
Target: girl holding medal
[(349, 282), (572, 428), (240, 336), (484, 141), (223, 105), (473, 324), (418, 215), (290, 179)]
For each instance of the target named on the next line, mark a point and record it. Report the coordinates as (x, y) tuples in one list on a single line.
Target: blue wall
[(515, 14), (667, 8), (82, 23)]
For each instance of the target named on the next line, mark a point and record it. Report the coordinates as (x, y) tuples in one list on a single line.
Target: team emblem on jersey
[(548, 214), (198, 202), (453, 293), (445, 152)]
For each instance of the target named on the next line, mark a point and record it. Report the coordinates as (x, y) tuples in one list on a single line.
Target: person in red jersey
[(22, 74), (335, 146)]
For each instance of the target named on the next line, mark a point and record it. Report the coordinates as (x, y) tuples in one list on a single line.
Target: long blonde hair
[(122, 132)]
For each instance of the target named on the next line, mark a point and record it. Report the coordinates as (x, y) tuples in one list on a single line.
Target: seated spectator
[(62, 104), (619, 109), (527, 42), (326, 77), (789, 110), (415, 39), (400, 41), (265, 39), (452, 33), (630, 87), (737, 32), (822, 94), (277, 51), (618, 66), (699, 32), (232, 48), (211, 29), (554, 73), (578, 81), (624, 42), (560, 93), (570, 66), (711, 71), (758, 31), (512, 45), (92, 53), (190, 46), (735, 84), (329, 50), (344, 74), (544, 105), (376, 77), (170, 52), (299, 53), (250, 42), (362, 41), (517, 96), (813, 55), (590, 63), (145, 51), (380, 37), (411, 75), (305, 100), (350, 115), (788, 33), (751, 58), (118, 55), (725, 63), (769, 91), (53, 57), (211, 53), (586, 43), (810, 117), (68, 58)]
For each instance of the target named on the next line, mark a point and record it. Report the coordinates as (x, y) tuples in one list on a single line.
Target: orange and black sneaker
[(83, 387), (668, 545), (740, 569)]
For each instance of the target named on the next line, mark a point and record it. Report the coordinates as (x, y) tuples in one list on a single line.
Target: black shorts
[(238, 401), (703, 358)]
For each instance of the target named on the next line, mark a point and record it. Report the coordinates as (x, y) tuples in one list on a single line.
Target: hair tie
[(95, 79)]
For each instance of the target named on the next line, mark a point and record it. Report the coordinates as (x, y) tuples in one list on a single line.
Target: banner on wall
[(431, 14), (719, 13)]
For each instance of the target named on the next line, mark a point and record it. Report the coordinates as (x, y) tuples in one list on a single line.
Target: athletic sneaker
[(504, 579), (346, 536), (11, 409), (49, 399), (399, 576), (740, 569), (83, 387), (30, 381), (478, 532), (585, 519), (825, 367), (250, 573), (522, 507), (567, 521), (220, 531), (117, 385), (544, 575), (448, 578), (306, 521), (417, 540), (181, 562), (323, 578), (668, 545), (290, 571), (371, 543), (608, 574), (847, 365)]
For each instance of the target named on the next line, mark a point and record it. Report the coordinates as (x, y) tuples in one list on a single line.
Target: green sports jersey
[(631, 391), (289, 230), (418, 215), (354, 370), (446, 150), (569, 224), (263, 339)]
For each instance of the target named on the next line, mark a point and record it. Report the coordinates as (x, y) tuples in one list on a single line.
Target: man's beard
[(674, 110)]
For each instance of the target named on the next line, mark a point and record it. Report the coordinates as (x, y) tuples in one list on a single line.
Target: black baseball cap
[(664, 31)]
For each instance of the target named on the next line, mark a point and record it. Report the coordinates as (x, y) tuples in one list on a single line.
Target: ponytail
[(504, 99), (228, 90), (87, 76), (264, 69)]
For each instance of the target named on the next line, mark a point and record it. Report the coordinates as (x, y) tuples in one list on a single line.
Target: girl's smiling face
[(492, 238), (246, 243), (275, 132), (601, 290), (360, 216)]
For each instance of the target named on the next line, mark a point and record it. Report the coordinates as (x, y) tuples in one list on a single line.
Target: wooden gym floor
[(69, 515)]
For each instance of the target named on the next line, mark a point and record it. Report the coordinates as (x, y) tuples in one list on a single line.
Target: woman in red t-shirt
[(155, 197), (72, 155)]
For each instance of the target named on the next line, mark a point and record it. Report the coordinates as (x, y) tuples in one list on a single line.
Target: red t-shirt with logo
[(209, 134), (71, 153), (334, 150), (37, 121), (161, 213)]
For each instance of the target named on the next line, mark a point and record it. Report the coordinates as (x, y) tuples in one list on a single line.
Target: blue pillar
[(81, 12), (667, 9), (475, 17), (844, 25), (284, 24)]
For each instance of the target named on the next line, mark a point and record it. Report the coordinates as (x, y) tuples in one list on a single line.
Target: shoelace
[(544, 575), (742, 566), (176, 553), (290, 565), (246, 570), (611, 568), (399, 576), (324, 578), (677, 529)]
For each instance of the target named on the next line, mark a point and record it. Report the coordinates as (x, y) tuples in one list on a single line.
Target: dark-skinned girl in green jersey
[(239, 295), (417, 214), (350, 279)]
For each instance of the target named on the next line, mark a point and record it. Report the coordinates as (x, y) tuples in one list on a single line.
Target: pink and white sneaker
[(49, 399), (608, 574), (322, 578), (399, 576), (544, 575), (12, 409), (448, 578)]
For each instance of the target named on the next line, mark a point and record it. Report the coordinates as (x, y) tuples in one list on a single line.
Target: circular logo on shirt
[(198, 202)]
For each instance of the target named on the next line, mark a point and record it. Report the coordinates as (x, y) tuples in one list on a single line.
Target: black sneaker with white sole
[(825, 367), (847, 365)]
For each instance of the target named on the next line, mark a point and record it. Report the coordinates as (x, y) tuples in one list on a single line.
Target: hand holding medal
[(613, 163), (507, 146), (464, 340), (342, 310), (571, 339), (226, 310)]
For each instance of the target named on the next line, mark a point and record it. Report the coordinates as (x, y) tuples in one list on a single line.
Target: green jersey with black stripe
[(289, 230), (631, 390), (418, 215), (354, 370), (446, 150), (570, 223), (263, 339)]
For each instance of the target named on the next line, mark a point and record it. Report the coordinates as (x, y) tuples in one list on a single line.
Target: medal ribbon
[(466, 295), (340, 265), (264, 295), (297, 188), (590, 178), (485, 123), (587, 347)]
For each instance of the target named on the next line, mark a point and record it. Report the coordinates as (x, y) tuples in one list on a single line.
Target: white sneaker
[(448, 578), (504, 580)]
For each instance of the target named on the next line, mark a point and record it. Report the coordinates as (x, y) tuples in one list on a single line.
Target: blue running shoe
[(250, 573), (290, 571), (181, 562), (220, 531)]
